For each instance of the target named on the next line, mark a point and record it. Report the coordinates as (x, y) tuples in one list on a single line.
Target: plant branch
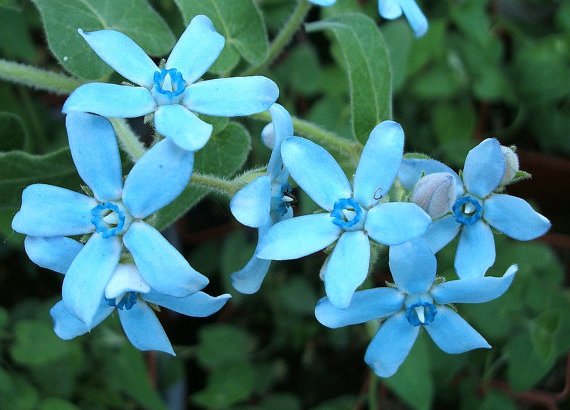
[(37, 78)]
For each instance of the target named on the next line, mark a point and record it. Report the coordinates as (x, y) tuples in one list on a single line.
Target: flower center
[(282, 198), (123, 302), (348, 214), (168, 86), (467, 210), (110, 219), (421, 313)]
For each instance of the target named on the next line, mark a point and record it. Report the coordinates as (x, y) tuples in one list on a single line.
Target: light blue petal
[(366, 305), (55, 253), (282, 129), (391, 345), (453, 334), (411, 171), (393, 223), (389, 9), (123, 55), (415, 16), (110, 100), (515, 217), (441, 232), (184, 128), (198, 304), (49, 210), (248, 280), (379, 163), (95, 152), (298, 237), (413, 266), (143, 328), (86, 279), (157, 178), (484, 168), (316, 171), (476, 251), (323, 3), (160, 264), (231, 97), (197, 49), (251, 204), (346, 268), (66, 326), (473, 290)]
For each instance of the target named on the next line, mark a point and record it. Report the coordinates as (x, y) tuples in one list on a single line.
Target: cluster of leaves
[(495, 68)]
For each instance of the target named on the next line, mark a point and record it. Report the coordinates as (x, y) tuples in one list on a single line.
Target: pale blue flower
[(393, 9), (354, 213), (416, 302), (173, 92), (264, 201), (113, 217), (477, 207)]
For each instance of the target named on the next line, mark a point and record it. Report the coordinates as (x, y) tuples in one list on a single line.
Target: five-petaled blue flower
[(171, 92), (477, 208), (352, 215), (264, 201), (393, 9), (114, 216), (416, 302)]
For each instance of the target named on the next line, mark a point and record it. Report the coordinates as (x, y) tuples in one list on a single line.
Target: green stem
[(128, 139), (372, 391), (283, 38), (226, 187), (348, 148), (37, 78)]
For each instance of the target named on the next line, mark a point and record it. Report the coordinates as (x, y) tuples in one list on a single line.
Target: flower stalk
[(38, 78)]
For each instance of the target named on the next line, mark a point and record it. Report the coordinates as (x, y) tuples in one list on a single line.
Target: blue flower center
[(169, 84), (421, 313), (284, 199), (124, 302), (347, 214), (110, 219), (467, 210)]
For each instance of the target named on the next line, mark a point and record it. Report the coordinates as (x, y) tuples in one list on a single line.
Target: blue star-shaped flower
[(172, 93), (477, 208), (113, 217), (393, 9), (353, 215), (416, 302), (264, 201)]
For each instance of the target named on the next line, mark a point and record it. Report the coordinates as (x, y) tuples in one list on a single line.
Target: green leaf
[(453, 125), (23, 396), (135, 18), (27, 351), (366, 58), (6, 385), (10, 4), (399, 40), (413, 382), (213, 351), (12, 133), (20, 169), (53, 403), (226, 386), (223, 156), (543, 333), (17, 43), (239, 21)]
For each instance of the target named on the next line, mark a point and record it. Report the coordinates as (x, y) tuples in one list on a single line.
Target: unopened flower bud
[(511, 164), (268, 136), (435, 193)]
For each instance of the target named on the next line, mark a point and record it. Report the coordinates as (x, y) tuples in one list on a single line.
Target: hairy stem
[(128, 139), (283, 37), (37, 78)]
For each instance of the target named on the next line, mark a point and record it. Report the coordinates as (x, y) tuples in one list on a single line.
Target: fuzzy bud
[(511, 164), (435, 193), (268, 136)]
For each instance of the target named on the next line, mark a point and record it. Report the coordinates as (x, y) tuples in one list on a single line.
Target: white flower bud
[(435, 193), (511, 164), (268, 136)]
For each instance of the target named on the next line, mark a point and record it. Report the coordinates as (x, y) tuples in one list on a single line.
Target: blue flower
[(416, 302), (353, 215), (113, 217), (476, 208), (264, 201), (171, 92), (393, 9)]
